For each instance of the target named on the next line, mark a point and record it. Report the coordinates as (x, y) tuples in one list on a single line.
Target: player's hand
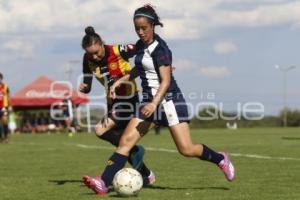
[(148, 109), (83, 87), (112, 92), (112, 89)]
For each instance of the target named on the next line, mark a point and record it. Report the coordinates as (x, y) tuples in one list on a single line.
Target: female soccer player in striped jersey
[(4, 104), (108, 63), (163, 103)]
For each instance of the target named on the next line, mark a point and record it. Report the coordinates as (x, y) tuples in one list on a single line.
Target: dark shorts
[(170, 112), (123, 110), (3, 112)]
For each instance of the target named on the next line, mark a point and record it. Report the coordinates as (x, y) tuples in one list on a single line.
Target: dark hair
[(90, 37), (148, 12), (1, 75)]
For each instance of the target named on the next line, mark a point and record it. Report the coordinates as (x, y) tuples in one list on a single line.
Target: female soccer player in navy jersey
[(108, 63), (162, 104)]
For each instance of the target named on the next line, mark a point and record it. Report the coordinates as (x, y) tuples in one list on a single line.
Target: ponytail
[(90, 37)]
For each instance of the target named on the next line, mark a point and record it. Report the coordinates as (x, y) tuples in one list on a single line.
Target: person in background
[(67, 107), (12, 121), (42, 124), (4, 104)]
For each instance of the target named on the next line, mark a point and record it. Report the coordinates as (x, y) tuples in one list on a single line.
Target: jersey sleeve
[(162, 56), (6, 100), (87, 74), (127, 51)]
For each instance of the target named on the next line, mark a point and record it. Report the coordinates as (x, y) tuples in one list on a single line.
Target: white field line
[(167, 151), (175, 151)]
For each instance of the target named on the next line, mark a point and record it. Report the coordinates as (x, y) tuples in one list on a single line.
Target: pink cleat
[(87, 180), (227, 167), (148, 180), (96, 184), (151, 178)]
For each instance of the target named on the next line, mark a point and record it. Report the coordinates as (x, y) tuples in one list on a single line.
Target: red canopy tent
[(43, 92)]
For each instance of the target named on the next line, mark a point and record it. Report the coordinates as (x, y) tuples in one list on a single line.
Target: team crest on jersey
[(113, 66)]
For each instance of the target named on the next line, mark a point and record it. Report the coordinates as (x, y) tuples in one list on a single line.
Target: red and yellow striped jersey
[(4, 95), (113, 66)]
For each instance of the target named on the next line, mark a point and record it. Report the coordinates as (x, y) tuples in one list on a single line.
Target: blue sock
[(211, 155), (114, 164)]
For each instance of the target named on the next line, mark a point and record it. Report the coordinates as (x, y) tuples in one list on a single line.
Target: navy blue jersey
[(148, 60)]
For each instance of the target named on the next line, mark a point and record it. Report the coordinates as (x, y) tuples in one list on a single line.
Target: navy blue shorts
[(171, 111)]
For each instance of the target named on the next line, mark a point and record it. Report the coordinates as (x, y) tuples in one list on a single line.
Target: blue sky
[(225, 47)]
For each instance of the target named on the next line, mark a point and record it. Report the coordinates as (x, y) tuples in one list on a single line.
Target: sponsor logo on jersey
[(123, 48), (110, 162)]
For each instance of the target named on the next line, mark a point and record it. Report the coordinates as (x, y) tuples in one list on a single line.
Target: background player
[(4, 103)]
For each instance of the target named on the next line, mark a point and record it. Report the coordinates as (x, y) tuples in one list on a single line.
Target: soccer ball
[(128, 182)]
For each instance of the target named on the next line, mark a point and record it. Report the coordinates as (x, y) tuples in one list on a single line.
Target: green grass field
[(43, 166)]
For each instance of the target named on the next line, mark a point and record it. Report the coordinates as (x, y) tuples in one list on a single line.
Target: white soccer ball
[(128, 182)]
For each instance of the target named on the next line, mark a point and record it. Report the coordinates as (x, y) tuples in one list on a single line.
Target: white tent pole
[(88, 117)]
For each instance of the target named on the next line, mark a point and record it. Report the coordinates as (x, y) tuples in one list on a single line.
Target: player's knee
[(186, 151), (126, 142), (124, 148), (99, 130)]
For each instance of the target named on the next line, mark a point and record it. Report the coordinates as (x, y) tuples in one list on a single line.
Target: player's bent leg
[(137, 153), (117, 161), (136, 159), (103, 126), (182, 138), (105, 131), (108, 132), (134, 131), (130, 137), (136, 156)]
